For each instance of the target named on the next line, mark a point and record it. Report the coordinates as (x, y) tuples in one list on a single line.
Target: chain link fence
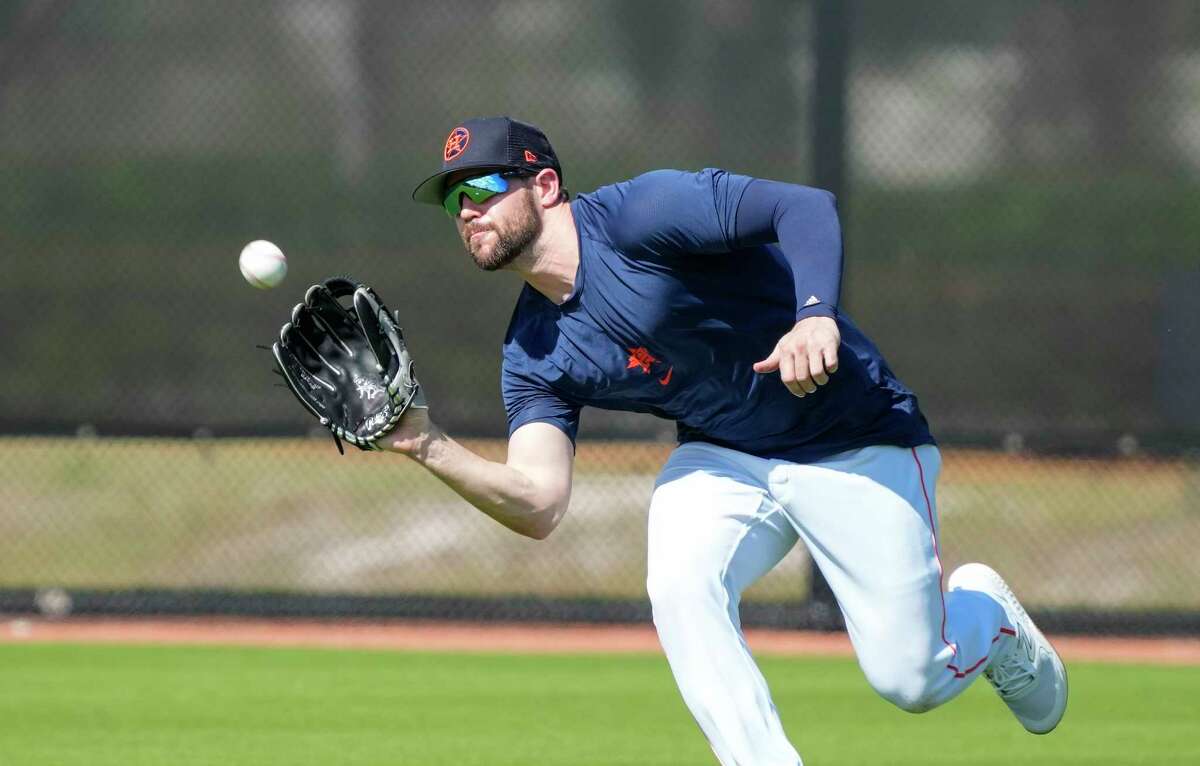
[(1019, 190)]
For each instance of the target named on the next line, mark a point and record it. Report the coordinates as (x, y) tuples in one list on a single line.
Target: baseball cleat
[(1029, 676)]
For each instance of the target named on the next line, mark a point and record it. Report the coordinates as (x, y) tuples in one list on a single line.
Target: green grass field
[(85, 705)]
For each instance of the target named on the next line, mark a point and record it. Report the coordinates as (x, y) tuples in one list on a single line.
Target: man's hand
[(806, 356)]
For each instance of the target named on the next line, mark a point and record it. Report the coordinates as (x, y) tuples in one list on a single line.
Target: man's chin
[(487, 262), (490, 260)]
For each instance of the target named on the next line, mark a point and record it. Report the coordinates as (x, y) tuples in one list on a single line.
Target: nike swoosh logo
[(665, 379)]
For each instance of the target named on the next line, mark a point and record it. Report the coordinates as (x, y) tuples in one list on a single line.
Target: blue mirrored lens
[(492, 183)]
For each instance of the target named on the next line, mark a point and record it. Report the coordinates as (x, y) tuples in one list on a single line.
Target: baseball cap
[(489, 143)]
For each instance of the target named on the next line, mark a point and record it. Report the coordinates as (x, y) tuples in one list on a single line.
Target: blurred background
[(1019, 184)]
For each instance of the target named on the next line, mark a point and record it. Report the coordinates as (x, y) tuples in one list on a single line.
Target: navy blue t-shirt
[(683, 284)]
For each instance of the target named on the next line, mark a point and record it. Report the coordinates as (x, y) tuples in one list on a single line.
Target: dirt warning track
[(517, 638)]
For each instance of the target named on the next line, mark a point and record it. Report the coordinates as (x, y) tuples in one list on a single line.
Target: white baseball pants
[(721, 519)]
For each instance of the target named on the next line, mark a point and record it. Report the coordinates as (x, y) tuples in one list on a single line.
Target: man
[(711, 299)]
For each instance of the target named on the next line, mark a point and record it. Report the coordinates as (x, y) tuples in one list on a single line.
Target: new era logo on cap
[(489, 143)]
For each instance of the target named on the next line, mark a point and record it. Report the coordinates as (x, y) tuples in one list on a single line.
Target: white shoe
[(1029, 676)]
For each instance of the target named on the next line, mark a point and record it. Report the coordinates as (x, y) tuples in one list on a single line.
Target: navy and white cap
[(489, 143)]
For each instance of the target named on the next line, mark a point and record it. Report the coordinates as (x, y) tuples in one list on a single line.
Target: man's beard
[(512, 239)]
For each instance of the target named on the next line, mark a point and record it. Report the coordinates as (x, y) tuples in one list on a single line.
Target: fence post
[(831, 29)]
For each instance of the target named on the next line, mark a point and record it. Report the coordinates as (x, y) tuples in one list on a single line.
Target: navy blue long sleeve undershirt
[(714, 211), (804, 221)]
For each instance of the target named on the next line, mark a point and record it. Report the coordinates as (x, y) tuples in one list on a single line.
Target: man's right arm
[(528, 493)]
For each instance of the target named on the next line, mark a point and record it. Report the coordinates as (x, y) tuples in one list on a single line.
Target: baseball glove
[(348, 365)]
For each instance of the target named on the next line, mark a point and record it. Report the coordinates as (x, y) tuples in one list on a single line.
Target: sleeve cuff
[(816, 310)]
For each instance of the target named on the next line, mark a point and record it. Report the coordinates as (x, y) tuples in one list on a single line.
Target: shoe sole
[(982, 571)]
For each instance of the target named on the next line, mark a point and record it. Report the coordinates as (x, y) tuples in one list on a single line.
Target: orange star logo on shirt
[(640, 357)]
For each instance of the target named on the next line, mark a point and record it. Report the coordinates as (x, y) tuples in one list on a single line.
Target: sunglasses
[(478, 189)]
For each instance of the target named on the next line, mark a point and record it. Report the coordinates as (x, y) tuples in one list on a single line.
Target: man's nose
[(469, 210)]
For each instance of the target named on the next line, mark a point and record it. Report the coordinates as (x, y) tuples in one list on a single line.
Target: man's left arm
[(804, 221)]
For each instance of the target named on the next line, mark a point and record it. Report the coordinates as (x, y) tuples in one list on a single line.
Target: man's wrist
[(816, 310), (418, 446)]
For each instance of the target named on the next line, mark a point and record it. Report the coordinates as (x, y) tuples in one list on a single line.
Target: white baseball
[(263, 264)]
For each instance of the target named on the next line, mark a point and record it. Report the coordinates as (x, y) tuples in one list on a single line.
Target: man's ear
[(546, 185)]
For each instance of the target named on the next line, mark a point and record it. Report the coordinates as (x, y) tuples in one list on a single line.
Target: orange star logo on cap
[(456, 143)]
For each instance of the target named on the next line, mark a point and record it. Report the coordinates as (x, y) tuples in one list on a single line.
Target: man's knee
[(907, 685), (910, 695)]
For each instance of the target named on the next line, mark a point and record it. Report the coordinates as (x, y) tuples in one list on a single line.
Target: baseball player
[(711, 299)]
